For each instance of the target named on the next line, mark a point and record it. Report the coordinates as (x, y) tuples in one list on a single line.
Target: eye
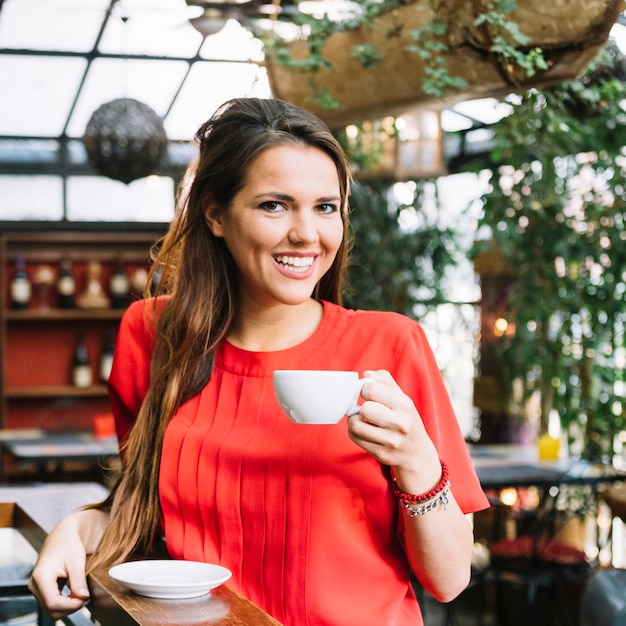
[(272, 206), (327, 208)]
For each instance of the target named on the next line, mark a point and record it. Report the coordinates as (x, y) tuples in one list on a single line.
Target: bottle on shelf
[(66, 284), (81, 369), (93, 296), (119, 287), (106, 355), (20, 285), (43, 287)]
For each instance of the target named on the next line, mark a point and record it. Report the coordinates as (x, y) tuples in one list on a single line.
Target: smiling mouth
[(295, 263)]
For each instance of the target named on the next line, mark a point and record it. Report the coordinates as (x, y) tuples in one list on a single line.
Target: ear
[(213, 217)]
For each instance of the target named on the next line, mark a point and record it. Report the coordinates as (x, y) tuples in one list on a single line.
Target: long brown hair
[(195, 270)]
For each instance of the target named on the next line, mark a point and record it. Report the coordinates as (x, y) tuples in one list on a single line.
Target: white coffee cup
[(318, 396)]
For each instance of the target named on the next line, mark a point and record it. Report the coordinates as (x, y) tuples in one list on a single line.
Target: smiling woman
[(318, 523)]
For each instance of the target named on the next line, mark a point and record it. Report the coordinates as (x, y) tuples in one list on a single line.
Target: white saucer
[(170, 579)]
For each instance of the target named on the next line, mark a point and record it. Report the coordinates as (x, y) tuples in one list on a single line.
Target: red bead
[(411, 498)]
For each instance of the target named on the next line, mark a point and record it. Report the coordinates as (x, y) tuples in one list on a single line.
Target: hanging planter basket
[(570, 33)]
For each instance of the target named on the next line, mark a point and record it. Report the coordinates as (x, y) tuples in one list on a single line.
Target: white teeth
[(296, 263)]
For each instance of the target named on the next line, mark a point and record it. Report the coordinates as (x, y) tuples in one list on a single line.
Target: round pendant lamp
[(125, 140)]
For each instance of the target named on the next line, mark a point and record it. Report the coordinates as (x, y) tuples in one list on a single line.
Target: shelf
[(48, 315), (37, 344), (56, 391)]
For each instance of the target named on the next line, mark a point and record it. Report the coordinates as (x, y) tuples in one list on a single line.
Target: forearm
[(438, 541), (86, 525), (439, 549)]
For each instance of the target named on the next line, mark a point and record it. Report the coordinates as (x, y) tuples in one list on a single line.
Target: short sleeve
[(419, 376), (130, 374)]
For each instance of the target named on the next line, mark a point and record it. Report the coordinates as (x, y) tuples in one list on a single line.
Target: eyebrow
[(283, 196)]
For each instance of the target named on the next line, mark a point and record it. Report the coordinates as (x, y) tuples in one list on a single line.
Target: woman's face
[(284, 227)]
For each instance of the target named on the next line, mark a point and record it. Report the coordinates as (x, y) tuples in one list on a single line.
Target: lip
[(295, 273)]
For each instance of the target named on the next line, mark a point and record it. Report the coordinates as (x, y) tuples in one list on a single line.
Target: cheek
[(333, 238)]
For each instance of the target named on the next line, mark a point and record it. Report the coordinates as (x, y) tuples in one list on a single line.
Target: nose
[(303, 228)]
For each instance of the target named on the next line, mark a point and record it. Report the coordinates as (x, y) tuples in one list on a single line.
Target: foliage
[(392, 266), (508, 44), (430, 46), (557, 211), (508, 41)]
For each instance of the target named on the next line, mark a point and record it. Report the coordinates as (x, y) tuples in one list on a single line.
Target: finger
[(384, 390), (63, 606), (77, 584), (371, 442), (50, 598), (44, 588), (382, 376), (371, 423)]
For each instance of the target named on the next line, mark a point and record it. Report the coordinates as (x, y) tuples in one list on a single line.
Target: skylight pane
[(233, 42), (37, 93), (51, 24), (99, 199), (208, 86), (154, 27), (31, 198)]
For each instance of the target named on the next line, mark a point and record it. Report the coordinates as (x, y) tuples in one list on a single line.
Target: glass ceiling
[(61, 59), (143, 49)]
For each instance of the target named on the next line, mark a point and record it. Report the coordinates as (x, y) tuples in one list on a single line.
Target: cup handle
[(355, 408)]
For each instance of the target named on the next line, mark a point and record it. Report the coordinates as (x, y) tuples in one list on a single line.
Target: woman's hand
[(390, 429), (62, 561)]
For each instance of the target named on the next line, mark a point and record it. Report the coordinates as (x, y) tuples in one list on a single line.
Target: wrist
[(433, 488), (418, 504), (421, 477)]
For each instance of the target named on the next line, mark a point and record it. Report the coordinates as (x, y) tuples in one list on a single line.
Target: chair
[(604, 600), (538, 581)]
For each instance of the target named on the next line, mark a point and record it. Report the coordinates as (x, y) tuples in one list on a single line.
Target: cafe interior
[(488, 147)]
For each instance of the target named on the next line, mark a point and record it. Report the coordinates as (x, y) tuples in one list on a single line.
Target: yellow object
[(548, 447)]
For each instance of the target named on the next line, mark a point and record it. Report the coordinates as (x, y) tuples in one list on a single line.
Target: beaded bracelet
[(433, 504), (423, 497)]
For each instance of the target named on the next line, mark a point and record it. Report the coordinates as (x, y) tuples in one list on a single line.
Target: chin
[(295, 299)]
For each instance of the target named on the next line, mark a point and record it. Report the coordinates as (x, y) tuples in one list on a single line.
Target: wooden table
[(113, 605), (34, 510)]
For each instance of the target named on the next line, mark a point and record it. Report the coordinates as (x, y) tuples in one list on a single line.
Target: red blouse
[(303, 517)]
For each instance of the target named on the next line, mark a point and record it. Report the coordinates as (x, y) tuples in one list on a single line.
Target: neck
[(277, 328)]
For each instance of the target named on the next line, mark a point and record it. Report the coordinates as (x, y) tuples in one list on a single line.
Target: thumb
[(77, 583)]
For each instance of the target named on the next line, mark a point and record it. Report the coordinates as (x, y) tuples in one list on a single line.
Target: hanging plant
[(391, 55)]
